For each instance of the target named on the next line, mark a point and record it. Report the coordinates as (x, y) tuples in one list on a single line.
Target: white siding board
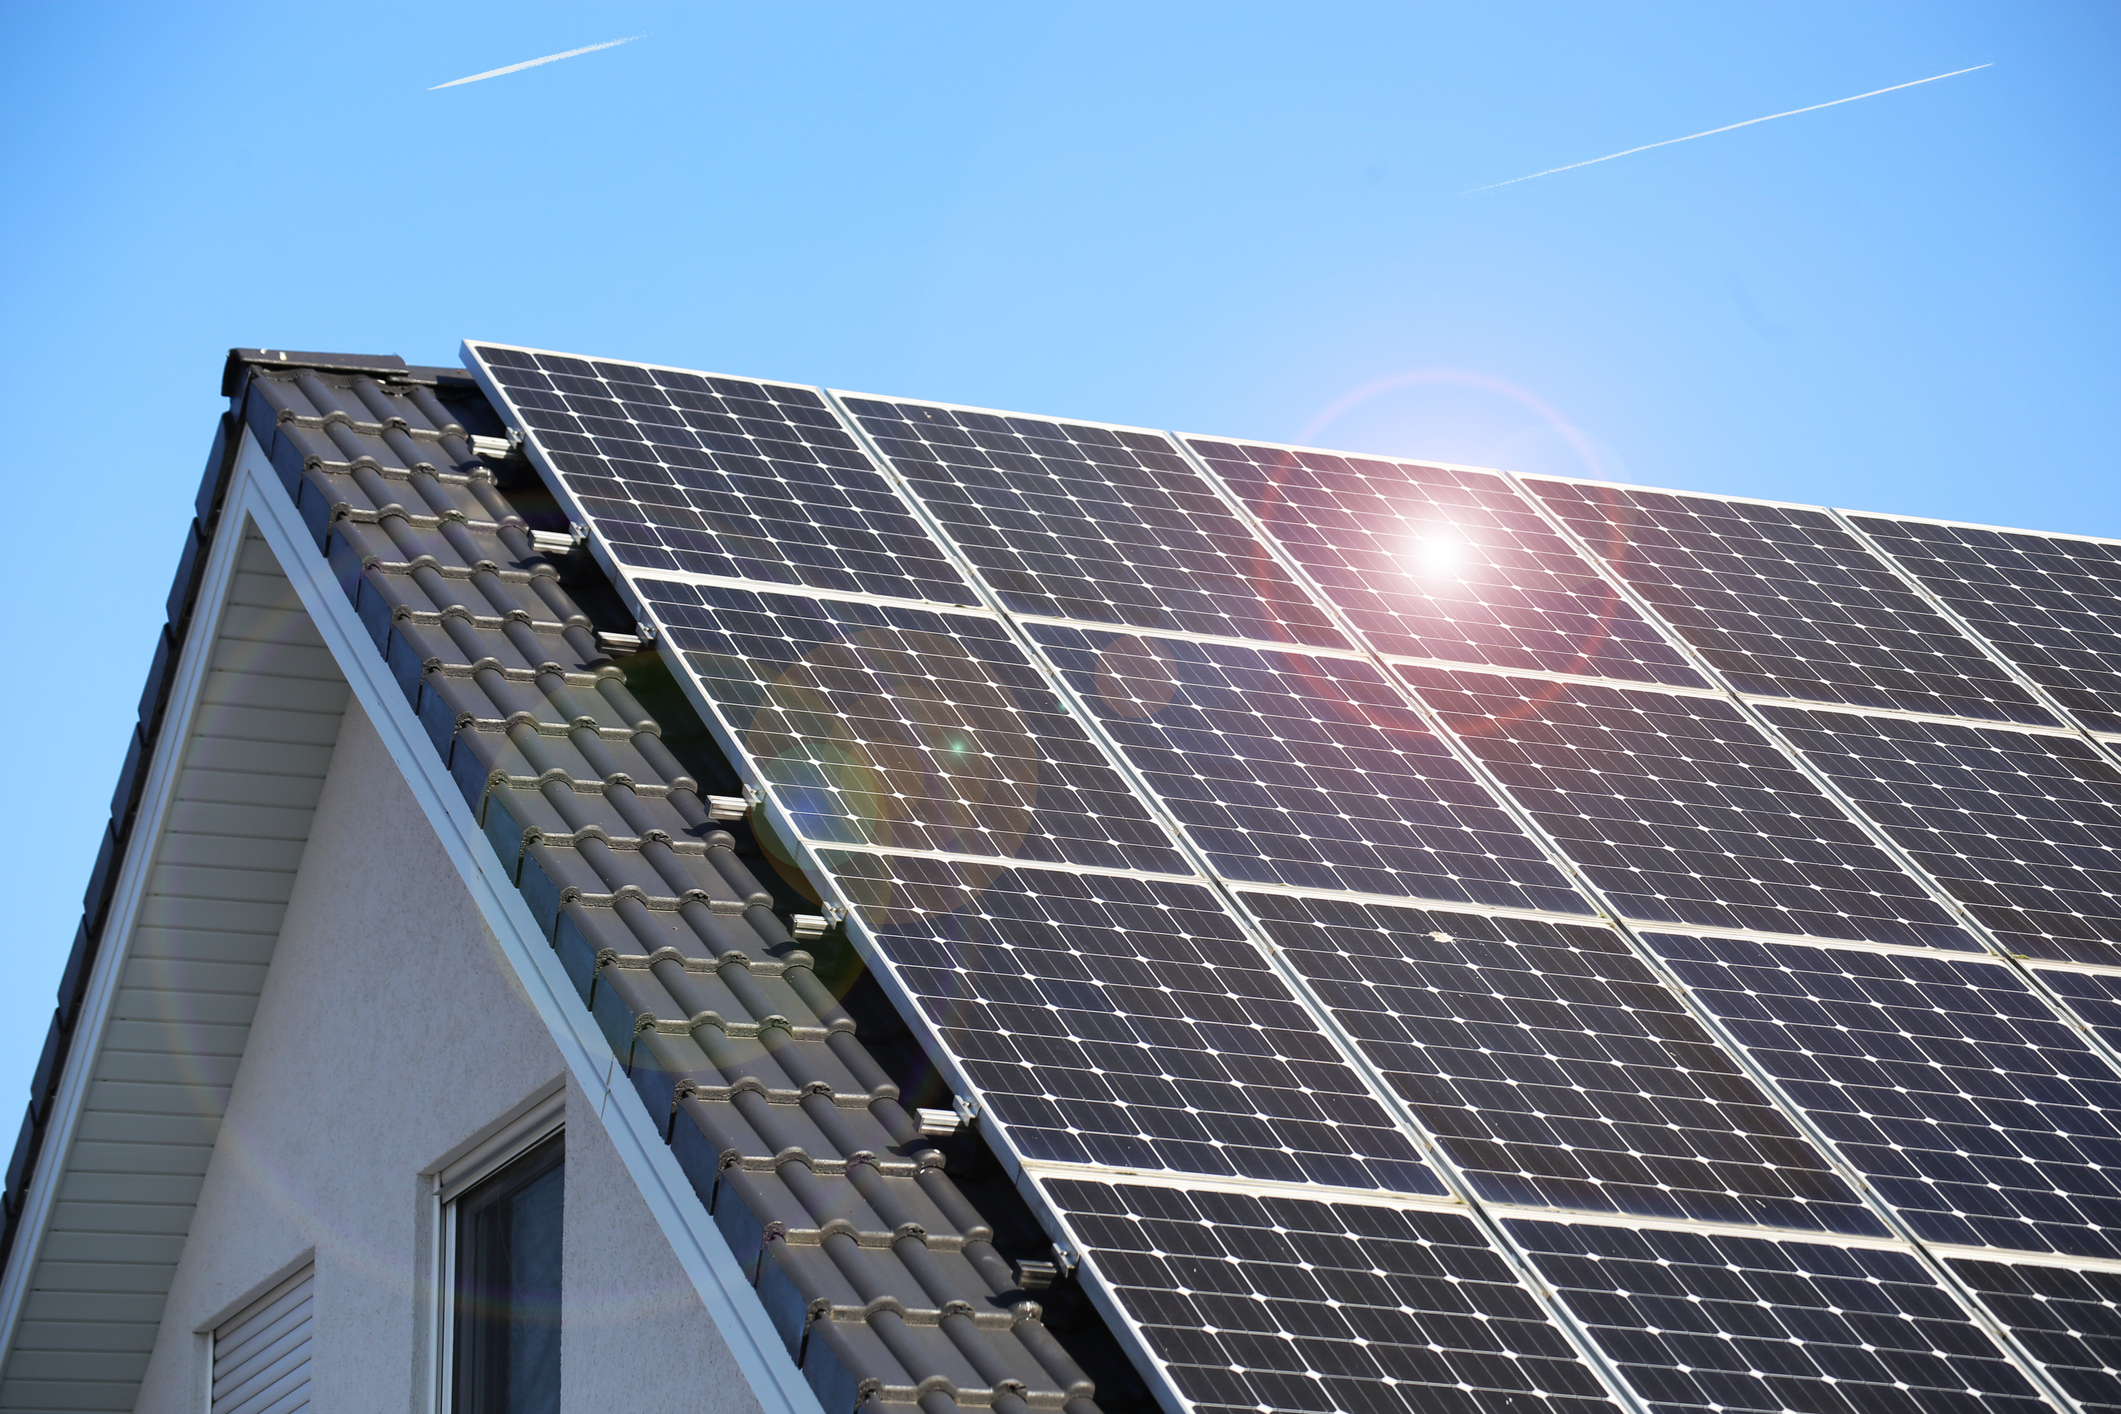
[(57, 1366), (144, 1097), (278, 660), (159, 1037), (223, 850), (102, 1246), (150, 1189), (124, 1278), (270, 724), (243, 885), (273, 758), (91, 1335), (213, 817), (269, 623), (176, 911), (126, 1067), (143, 1158), (121, 1126), (220, 945), (190, 974), (280, 692), (241, 787), (79, 1308), (67, 1398), (135, 1219), (187, 1008)]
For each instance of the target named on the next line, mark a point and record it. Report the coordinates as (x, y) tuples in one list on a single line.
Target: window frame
[(532, 1124)]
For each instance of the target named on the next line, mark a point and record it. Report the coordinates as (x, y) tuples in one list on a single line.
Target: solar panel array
[(1431, 939)]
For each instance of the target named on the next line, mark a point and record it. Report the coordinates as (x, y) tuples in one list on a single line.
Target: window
[(504, 1288)]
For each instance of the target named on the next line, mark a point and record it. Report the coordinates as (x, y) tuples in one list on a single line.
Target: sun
[(1435, 554)]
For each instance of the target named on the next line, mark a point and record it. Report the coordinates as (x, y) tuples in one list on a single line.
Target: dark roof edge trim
[(240, 361)]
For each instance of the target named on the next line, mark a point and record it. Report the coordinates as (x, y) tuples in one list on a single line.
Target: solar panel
[(903, 728), (1125, 1022), (1971, 1106), (1444, 563), (1785, 603), (1304, 770), (718, 476), (1200, 890), (1681, 811), (1103, 524), (1714, 1321), (2023, 828), (2070, 1319), (1556, 1068), (1275, 1302), (2050, 603)]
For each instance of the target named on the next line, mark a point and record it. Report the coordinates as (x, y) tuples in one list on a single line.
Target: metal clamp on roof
[(1034, 1275), (806, 926), (727, 807), (939, 1124)]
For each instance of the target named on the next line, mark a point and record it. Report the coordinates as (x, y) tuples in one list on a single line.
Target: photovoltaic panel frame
[(2068, 1317), (2051, 604), (1971, 1106), (1443, 563), (1303, 770), (2023, 828), (1090, 522), (1681, 811), (1271, 1301), (734, 478), (1784, 602), (1556, 1068), (1125, 1022), (1713, 1321)]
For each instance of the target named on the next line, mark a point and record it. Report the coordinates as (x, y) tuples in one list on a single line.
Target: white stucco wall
[(388, 1033)]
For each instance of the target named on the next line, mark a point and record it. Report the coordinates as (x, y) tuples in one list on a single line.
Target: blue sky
[(1228, 218)]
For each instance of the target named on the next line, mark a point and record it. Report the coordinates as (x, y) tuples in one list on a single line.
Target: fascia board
[(700, 1248)]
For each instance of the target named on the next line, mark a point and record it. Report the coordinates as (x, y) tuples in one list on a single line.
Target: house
[(633, 886)]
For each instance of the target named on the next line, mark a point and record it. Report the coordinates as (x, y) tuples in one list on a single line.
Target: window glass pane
[(508, 1289)]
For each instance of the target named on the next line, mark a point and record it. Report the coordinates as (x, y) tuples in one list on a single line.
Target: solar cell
[(1309, 771), (2094, 996), (902, 728), (1681, 811), (1555, 1067), (1275, 1303), (1125, 1021), (2069, 1320), (720, 476), (2050, 604), (1711, 1322), (1785, 603), (1108, 525), (2022, 828), (1973, 1108), (1430, 562)]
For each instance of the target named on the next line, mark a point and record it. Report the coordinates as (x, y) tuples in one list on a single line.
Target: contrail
[(533, 63), (1710, 133)]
